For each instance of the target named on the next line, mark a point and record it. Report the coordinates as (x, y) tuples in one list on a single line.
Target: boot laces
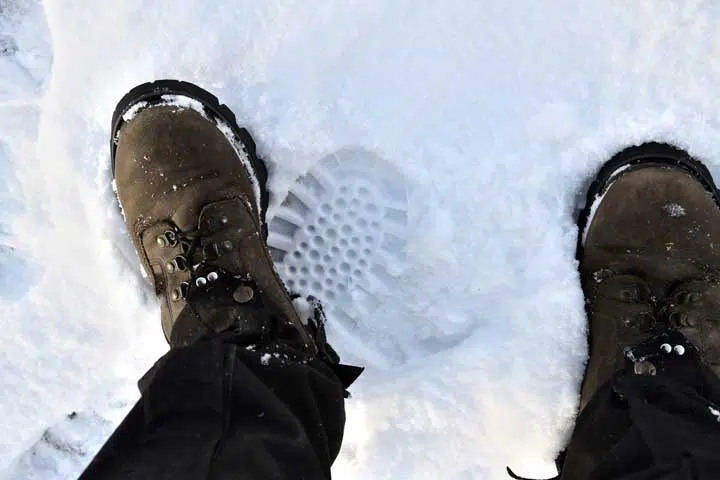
[(195, 256), (664, 317)]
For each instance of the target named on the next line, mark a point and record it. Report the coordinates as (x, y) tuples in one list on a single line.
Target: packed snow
[(494, 116), (265, 359)]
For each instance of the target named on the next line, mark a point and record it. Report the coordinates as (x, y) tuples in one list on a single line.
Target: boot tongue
[(224, 303), (226, 270), (231, 238)]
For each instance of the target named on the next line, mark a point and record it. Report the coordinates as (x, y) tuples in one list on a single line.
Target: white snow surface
[(496, 114)]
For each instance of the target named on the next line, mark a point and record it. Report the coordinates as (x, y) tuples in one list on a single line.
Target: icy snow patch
[(132, 112), (591, 215), (303, 308), (715, 412), (180, 101), (674, 210), (615, 174), (265, 359)]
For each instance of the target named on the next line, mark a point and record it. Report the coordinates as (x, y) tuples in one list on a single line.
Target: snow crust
[(495, 113)]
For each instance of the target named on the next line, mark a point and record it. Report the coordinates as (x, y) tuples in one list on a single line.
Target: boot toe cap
[(170, 161), (652, 217)]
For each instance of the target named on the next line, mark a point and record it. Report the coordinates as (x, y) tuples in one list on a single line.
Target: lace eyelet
[(170, 238)]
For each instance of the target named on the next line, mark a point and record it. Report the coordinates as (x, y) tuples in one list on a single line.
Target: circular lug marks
[(340, 234)]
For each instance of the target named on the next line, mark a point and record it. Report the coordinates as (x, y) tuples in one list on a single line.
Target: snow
[(131, 112), (495, 114), (303, 309), (591, 215), (674, 210), (715, 412)]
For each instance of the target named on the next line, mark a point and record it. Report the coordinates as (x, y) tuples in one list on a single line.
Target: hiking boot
[(194, 198), (649, 253), (693, 309)]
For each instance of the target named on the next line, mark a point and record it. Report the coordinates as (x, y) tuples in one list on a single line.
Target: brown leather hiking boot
[(194, 198), (649, 252)]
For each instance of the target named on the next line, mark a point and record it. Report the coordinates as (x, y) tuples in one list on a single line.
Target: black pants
[(217, 410), (642, 426), (221, 411)]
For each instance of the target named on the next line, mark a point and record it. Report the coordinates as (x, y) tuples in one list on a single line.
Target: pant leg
[(216, 410), (642, 427)]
